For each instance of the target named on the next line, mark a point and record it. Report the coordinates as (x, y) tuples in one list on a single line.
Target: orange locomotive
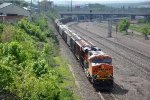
[(97, 65)]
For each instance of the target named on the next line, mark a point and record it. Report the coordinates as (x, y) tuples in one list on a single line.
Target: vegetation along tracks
[(140, 60)]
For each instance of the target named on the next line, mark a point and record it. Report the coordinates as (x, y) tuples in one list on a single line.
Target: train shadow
[(119, 90), (116, 90)]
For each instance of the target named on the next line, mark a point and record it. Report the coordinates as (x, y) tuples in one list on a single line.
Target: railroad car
[(79, 44), (96, 64), (60, 28), (57, 24), (73, 40), (64, 35), (68, 37), (65, 20)]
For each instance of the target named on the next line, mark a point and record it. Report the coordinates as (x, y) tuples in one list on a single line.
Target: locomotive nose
[(103, 71)]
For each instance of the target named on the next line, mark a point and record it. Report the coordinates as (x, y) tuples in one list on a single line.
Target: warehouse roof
[(11, 9), (4, 5)]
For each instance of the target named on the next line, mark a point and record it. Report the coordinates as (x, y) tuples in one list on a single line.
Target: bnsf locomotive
[(96, 64)]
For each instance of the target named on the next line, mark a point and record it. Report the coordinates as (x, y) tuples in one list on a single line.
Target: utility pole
[(71, 5), (31, 6), (68, 6), (116, 31), (31, 11), (110, 27), (39, 6), (91, 16)]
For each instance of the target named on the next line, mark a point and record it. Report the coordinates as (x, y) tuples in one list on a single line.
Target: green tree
[(145, 32), (124, 25), (1, 27), (148, 19), (28, 64)]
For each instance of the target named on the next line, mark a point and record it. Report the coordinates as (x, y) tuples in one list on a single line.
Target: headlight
[(98, 76), (109, 76)]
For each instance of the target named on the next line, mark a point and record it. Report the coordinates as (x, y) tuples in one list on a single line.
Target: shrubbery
[(27, 63), (144, 29), (124, 25), (53, 15), (1, 27), (32, 29), (142, 21)]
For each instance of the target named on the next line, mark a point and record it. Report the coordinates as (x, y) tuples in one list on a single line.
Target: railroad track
[(144, 56), (120, 45), (142, 61), (107, 96)]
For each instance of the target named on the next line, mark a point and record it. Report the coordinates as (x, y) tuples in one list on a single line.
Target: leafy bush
[(141, 21), (135, 28), (1, 27), (123, 25), (42, 22), (66, 95), (32, 29), (145, 30), (7, 33), (52, 15), (27, 65)]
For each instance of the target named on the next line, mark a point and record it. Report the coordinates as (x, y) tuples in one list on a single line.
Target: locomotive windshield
[(96, 60), (105, 60)]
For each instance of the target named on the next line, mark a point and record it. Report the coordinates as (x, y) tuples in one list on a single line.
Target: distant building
[(46, 5), (9, 11)]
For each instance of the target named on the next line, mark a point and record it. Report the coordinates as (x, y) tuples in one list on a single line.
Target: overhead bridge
[(103, 15)]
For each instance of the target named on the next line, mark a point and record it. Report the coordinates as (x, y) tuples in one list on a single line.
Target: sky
[(93, 1)]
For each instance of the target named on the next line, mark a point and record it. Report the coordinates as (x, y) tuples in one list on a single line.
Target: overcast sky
[(94, 1)]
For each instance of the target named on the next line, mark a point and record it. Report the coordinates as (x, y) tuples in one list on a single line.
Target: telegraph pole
[(31, 11), (71, 5), (110, 27), (31, 6), (91, 15), (39, 6)]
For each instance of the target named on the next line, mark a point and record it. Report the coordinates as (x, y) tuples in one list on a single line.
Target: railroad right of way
[(132, 79), (142, 61)]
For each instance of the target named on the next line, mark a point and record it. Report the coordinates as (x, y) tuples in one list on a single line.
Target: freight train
[(97, 65)]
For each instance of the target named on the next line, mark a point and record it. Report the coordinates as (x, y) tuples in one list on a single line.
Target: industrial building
[(9, 11)]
